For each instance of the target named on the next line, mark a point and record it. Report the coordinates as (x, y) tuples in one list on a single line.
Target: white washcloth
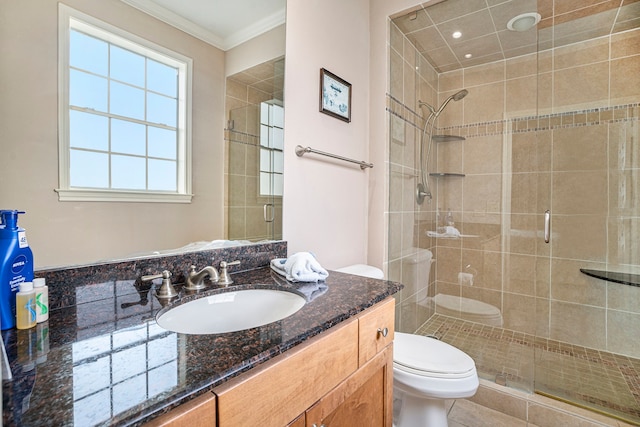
[(300, 267)]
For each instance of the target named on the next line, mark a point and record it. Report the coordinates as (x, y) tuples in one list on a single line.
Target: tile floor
[(604, 382)]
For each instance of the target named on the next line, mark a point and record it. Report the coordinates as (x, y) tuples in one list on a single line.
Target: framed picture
[(335, 96)]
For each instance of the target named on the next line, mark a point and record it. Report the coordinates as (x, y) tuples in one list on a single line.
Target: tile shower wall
[(558, 130), (412, 79)]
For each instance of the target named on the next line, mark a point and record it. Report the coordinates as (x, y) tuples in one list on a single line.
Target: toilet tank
[(416, 270)]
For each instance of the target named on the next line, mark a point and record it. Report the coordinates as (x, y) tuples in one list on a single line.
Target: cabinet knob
[(383, 331)]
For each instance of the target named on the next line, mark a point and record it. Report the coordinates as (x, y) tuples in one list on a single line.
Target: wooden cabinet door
[(362, 400), (198, 412), (276, 392), (375, 329)]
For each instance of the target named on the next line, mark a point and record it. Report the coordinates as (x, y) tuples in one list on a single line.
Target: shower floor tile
[(601, 381)]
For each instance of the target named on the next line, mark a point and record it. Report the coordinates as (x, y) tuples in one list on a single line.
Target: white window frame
[(68, 19)]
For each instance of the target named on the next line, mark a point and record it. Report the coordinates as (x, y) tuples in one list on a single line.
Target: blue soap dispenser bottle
[(16, 265)]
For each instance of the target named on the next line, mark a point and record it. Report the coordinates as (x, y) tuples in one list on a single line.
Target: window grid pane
[(271, 149), (139, 97)]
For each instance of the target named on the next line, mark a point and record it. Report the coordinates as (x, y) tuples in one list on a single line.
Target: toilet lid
[(430, 355)]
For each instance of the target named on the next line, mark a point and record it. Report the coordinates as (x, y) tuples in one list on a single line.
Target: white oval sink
[(231, 311)]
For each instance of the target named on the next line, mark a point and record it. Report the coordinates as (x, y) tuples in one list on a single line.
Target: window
[(271, 149), (124, 115)]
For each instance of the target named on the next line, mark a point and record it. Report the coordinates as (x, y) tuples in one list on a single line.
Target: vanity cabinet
[(341, 377)]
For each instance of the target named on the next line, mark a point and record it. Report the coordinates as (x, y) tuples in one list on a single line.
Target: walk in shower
[(254, 146), (542, 184)]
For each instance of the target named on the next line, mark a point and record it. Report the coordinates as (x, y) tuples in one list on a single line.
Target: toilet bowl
[(427, 371)]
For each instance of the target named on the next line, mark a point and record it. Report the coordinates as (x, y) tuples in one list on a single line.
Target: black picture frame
[(335, 96)]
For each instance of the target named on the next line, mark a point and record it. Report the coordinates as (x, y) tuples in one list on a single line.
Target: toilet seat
[(430, 357), (466, 309)]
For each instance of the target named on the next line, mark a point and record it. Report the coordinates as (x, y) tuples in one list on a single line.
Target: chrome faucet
[(166, 290), (195, 280), (225, 278)]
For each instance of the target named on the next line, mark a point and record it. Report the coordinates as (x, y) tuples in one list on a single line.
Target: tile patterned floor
[(604, 382)]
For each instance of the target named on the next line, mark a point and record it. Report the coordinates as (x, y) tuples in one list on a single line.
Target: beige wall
[(325, 207), (73, 232)]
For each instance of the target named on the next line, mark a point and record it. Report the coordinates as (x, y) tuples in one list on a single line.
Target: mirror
[(63, 233)]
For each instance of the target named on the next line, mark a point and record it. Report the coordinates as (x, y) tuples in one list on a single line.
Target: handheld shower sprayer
[(423, 190)]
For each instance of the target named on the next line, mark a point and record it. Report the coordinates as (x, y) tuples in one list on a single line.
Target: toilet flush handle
[(383, 331)]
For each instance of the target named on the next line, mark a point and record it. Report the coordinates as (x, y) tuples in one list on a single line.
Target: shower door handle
[(547, 225), (272, 209)]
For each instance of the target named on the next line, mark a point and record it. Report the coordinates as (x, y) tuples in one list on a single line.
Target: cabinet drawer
[(275, 393), (372, 327)]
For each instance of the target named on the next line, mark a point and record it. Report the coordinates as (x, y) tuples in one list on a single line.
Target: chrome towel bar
[(301, 151)]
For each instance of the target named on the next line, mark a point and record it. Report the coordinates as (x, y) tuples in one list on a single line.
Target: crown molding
[(207, 36)]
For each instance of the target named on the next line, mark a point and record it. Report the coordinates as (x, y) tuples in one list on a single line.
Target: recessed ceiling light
[(456, 35), (468, 55), (524, 21)]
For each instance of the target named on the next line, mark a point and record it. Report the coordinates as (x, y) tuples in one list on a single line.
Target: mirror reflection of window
[(113, 372), (271, 148)]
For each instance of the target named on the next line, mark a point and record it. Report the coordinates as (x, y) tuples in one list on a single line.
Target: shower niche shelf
[(445, 174), (614, 276), (447, 138)]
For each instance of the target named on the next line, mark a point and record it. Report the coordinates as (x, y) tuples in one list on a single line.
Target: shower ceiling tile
[(413, 21), (481, 59), (502, 13), (574, 20), (583, 7), (519, 51), (443, 57), (545, 8), (451, 9), (427, 38), (471, 26), (481, 46), (510, 40)]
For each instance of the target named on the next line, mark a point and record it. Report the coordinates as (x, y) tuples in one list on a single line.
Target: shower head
[(456, 97), (459, 95)]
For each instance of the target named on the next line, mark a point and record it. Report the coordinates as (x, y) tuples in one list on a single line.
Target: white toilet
[(426, 371)]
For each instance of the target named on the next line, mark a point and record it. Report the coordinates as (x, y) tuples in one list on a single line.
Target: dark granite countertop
[(106, 361)]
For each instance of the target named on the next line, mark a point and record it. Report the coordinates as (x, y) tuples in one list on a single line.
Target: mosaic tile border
[(616, 375), (241, 137), (590, 117)]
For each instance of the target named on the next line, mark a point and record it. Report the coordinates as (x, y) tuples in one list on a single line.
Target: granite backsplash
[(63, 282)]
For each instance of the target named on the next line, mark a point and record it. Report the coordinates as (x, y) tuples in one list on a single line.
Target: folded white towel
[(300, 267), (449, 232), (277, 265)]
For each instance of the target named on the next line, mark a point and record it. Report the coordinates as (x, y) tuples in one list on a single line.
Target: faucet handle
[(166, 289), (225, 278)]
